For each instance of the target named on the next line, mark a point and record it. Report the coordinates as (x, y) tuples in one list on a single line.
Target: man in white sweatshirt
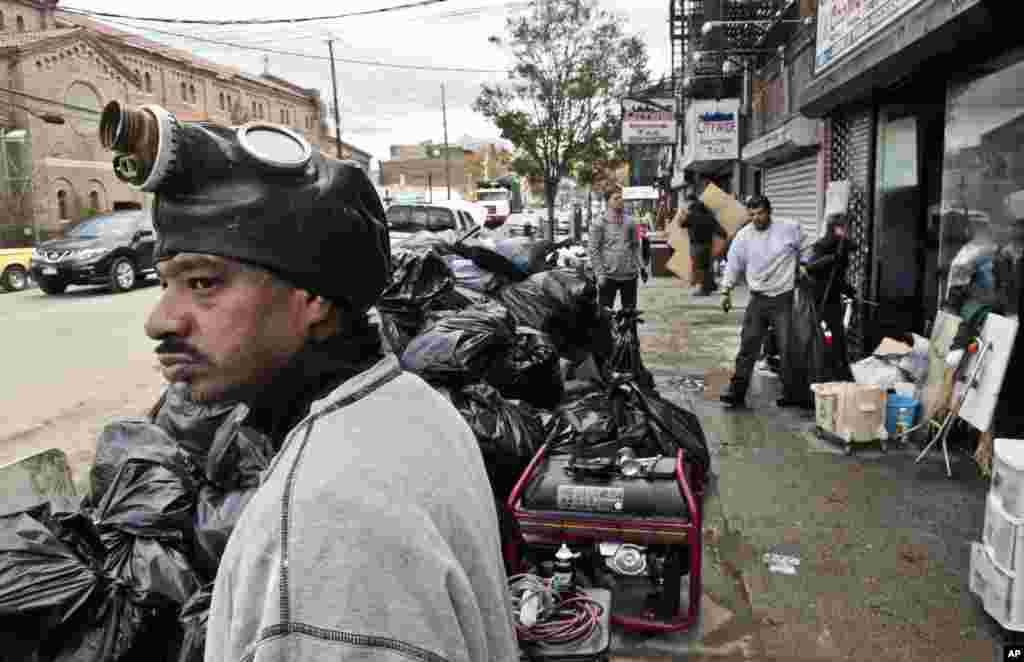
[(373, 534), (767, 254)]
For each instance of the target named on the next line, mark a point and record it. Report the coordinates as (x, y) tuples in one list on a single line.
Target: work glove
[(726, 300), (802, 273), (953, 358), (643, 275), (601, 282)]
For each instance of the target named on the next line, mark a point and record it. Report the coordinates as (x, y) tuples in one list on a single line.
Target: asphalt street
[(71, 363)]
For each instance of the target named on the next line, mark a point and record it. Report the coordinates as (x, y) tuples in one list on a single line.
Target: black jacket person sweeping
[(830, 257)]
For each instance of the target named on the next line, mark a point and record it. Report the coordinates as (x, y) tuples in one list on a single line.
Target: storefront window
[(983, 168)]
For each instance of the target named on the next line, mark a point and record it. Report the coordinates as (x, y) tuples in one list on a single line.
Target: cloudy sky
[(380, 105)]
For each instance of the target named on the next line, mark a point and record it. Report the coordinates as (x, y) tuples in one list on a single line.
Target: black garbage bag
[(625, 357), (50, 561), (217, 514), (194, 618), (557, 302), (459, 298), (599, 422), (191, 424), (489, 259), (138, 439), (509, 433), (669, 427), (238, 456), (442, 242), (527, 254), (145, 522), (417, 277), (397, 329), (585, 419), (529, 370), (469, 274), (112, 629), (808, 362), (239, 453), (462, 346)]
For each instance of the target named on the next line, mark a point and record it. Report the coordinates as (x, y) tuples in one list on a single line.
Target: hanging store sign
[(648, 121), (843, 25), (712, 132)]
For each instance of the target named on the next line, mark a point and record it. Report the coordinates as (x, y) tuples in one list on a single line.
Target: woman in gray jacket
[(616, 254)]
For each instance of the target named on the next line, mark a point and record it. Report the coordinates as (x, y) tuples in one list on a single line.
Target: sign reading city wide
[(712, 131), (843, 25), (648, 121)]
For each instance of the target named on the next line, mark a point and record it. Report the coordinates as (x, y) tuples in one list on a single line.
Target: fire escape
[(714, 43)]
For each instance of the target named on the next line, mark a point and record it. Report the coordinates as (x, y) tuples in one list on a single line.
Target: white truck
[(498, 204)]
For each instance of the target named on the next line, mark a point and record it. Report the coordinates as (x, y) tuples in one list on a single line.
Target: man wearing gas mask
[(373, 533)]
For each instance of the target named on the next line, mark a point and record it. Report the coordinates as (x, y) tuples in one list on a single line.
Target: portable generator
[(634, 525)]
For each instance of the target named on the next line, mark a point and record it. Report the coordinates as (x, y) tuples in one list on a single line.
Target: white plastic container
[(1003, 535), (1000, 592), (908, 389), (1008, 475)]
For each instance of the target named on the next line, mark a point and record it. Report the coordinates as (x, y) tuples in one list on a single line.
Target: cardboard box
[(853, 412)]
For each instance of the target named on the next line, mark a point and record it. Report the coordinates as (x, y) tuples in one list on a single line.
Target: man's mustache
[(178, 346)]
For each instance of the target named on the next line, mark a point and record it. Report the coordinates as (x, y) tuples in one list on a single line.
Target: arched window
[(62, 204), (42, 21), (1, 20), (282, 117), (220, 98), (254, 110), (192, 93), (20, 22), (184, 92), (149, 82), (94, 200)]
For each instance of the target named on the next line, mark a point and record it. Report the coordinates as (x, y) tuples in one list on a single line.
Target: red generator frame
[(553, 527)]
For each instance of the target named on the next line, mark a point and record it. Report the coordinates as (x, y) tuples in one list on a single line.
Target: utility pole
[(590, 138), (337, 109), (447, 169)]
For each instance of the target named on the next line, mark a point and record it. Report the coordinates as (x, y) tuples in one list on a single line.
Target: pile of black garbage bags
[(504, 335), (126, 572)]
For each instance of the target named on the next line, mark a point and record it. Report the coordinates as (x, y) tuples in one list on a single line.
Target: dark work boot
[(734, 397)]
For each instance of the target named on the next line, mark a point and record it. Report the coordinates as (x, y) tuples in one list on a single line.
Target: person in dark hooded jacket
[(702, 227), (829, 259)]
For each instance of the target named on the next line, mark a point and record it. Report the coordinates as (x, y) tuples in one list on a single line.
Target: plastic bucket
[(900, 413)]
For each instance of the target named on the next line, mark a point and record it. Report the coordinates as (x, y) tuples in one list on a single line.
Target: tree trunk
[(550, 192)]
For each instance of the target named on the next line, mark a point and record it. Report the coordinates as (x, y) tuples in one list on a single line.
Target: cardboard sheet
[(938, 385), (980, 403), (730, 214)]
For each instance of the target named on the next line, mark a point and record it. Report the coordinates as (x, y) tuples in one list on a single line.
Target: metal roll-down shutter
[(792, 189)]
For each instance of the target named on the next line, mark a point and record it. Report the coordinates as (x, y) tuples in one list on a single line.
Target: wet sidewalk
[(874, 549)]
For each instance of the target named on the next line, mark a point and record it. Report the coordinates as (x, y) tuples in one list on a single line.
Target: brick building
[(54, 63), (413, 168)]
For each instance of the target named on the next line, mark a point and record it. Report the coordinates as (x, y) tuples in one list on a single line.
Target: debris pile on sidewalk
[(127, 572)]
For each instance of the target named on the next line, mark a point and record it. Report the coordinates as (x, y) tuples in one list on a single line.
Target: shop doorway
[(908, 189)]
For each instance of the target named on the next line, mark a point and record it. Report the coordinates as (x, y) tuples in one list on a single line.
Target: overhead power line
[(258, 49), (252, 21)]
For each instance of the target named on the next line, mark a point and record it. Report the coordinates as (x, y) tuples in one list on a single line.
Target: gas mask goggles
[(259, 193)]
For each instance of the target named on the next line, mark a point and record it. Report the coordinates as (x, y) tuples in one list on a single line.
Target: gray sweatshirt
[(768, 257), (374, 536), (615, 248)]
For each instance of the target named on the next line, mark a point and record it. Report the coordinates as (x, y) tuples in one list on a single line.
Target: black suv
[(114, 249)]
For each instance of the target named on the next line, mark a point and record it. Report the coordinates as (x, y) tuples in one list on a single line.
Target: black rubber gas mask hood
[(258, 193)]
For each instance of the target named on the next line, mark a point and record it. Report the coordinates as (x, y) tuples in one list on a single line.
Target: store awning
[(708, 166), (789, 140)]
